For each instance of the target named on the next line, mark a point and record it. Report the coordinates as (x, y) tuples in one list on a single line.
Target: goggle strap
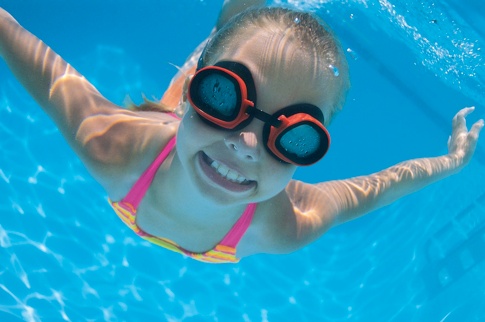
[(265, 117)]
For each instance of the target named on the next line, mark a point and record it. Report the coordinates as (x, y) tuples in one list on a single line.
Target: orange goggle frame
[(276, 125)]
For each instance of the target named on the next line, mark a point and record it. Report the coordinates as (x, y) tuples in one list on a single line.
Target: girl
[(256, 99)]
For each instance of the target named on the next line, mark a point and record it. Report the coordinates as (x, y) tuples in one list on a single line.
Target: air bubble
[(297, 20), (335, 70), (352, 53)]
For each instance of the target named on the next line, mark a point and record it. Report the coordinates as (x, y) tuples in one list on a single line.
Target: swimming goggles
[(224, 96)]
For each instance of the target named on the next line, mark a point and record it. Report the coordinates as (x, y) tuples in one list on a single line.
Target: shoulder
[(294, 218), (119, 146)]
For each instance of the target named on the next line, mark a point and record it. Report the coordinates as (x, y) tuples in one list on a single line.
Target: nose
[(245, 145)]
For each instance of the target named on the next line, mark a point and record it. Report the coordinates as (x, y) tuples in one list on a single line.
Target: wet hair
[(310, 32)]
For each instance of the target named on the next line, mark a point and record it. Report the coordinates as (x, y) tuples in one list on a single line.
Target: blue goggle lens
[(301, 141), (219, 93)]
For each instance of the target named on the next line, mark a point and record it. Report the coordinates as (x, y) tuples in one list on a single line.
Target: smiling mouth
[(223, 176)]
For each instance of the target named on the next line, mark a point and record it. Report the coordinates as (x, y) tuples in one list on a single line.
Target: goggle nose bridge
[(263, 116)]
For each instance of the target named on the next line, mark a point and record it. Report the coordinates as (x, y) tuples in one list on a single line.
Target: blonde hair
[(311, 31), (147, 105)]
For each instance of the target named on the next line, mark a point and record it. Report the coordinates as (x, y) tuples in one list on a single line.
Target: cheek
[(276, 177), (285, 175), (186, 138), (193, 134)]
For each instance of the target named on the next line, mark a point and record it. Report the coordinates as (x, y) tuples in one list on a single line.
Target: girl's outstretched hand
[(462, 143)]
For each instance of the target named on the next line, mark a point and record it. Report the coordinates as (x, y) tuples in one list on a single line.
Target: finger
[(459, 121), (472, 137), (467, 110), (472, 144), (464, 112), (475, 130)]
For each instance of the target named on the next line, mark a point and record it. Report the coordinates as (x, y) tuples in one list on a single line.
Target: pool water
[(65, 256)]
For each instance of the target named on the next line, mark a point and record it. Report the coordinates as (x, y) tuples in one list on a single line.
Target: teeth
[(226, 173), (231, 175), (222, 170), (240, 179)]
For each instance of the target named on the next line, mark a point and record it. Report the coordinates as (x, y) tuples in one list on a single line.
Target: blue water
[(65, 256)]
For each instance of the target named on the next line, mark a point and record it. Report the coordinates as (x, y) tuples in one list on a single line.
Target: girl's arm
[(99, 132), (318, 207), (44, 74)]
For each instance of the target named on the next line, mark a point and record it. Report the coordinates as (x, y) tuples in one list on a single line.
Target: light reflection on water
[(65, 255), (441, 37)]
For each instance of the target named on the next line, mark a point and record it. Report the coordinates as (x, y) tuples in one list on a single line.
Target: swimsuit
[(224, 252)]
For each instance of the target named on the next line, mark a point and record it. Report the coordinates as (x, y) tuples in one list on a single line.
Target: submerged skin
[(182, 204)]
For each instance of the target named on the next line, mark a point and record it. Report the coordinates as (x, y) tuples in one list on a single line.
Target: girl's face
[(283, 76)]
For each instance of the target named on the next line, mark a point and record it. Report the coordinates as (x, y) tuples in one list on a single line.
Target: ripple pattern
[(65, 256)]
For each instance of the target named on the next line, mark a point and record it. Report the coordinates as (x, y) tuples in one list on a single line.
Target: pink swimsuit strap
[(141, 186), (137, 192)]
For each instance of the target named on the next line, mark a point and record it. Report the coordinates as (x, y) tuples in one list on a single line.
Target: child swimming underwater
[(217, 184)]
